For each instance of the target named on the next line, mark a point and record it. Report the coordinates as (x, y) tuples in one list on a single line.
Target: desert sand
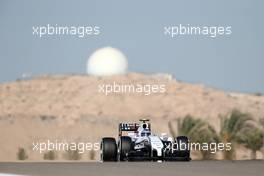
[(71, 107)]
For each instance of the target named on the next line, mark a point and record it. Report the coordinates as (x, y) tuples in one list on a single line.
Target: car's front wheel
[(108, 149)]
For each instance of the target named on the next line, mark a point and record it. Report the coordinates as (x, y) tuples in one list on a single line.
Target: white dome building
[(106, 62)]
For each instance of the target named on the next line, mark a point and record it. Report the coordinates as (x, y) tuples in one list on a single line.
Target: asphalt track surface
[(193, 168)]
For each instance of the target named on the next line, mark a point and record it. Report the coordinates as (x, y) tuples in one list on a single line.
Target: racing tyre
[(124, 145), (184, 154), (108, 149)]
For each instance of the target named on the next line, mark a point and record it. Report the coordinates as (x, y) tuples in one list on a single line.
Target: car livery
[(140, 144)]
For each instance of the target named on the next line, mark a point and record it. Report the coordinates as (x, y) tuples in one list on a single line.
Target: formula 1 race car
[(140, 144)]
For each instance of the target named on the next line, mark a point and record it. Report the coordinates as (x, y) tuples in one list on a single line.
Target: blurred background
[(214, 86), (233, 62)]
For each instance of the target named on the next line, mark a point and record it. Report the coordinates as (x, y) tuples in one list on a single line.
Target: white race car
[(141, 144)]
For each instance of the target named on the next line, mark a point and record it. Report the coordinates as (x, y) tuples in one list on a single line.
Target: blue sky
[(233, 63)]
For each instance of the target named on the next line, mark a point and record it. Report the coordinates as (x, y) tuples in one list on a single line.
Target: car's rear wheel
[(183, 143), (108, 149), (124, 146)]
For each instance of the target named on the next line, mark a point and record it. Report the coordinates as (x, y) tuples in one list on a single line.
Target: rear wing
[(130, 127)]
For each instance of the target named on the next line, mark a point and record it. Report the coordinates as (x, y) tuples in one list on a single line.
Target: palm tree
[(198, 131), (251, 138), (230, 127)]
